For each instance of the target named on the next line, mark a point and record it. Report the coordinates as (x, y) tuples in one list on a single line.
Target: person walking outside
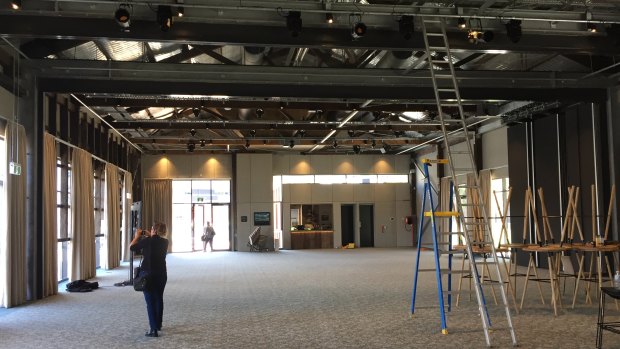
[(154, 249), (207, 237)]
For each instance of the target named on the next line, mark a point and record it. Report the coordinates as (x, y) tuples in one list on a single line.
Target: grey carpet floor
[(289, 299)]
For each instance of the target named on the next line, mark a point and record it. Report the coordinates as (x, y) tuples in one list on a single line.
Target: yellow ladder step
[(434, 161), (441, 214)]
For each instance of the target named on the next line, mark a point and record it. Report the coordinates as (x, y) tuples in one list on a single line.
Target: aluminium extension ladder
[(477, 232)]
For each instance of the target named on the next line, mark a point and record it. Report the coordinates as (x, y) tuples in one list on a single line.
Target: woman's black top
[(154, 251)]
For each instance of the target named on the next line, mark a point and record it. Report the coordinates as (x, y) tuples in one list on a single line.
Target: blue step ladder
[(427, 200)]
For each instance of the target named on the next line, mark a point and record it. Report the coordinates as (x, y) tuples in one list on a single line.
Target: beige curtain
[(13, 239), (127, 201), (50, 241), (157, 204), (113, 218), (82, 216)]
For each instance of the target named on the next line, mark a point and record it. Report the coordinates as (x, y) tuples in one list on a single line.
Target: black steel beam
[(317, 91), (270, 125), (136, 104), (31, 26)]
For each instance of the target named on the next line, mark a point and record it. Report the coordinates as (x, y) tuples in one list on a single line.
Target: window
[(299, 179), (63, 207), (99, 211)]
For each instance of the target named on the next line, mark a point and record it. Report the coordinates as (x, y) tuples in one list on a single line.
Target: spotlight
[(259, 113), (357, 149), (121, 16), (351, 133), (196, 111), (247, 144), (405, 26), (302, 133), (461, 23), (202, 143), (386, 148), (329, 18), (180, 11), (513, 30), (591, 27), (192, 132), (16, 4), (476, 36), (397, 133), (291, 144), (358, 30), (335, 145), (191, 147), (373, 144), (252, 133), (164, 17), (293, 22)]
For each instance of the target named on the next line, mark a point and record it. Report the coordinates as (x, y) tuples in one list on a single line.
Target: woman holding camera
[(154, 248)]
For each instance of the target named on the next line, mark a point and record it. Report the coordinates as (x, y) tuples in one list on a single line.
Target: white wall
[(187, 166), (254, 186), (254, 189), (495, 151), (391, 201)]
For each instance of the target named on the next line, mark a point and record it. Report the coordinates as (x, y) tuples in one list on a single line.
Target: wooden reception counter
[(306, 239)]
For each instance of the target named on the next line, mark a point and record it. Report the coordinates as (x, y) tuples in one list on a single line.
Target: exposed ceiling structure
[(277, 76)]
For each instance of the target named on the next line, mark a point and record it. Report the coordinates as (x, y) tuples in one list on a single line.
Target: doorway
[(218, 215), (367, 232), (347, 224)]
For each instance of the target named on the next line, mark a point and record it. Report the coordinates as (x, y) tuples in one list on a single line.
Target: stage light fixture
[(191, 147), (335, 145), (252, 133), (357, 149), (591, 27), (180, 11), (192, 132), (291, 144), (513, 30), (461, 23), (16, 4), (196, 111), (329, 18), (373, 144), (351, 133), (406, 27), (247, 144), (302, 133), (475, 36), (164, 17), (122, 16), (359, 30), (294, 23), (202, 143), (259, 113)]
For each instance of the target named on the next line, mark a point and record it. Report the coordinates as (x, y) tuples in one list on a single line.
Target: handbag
[(203, 237), (140, 280)]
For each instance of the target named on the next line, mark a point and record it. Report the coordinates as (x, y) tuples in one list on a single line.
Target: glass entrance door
[(201, 215), (221, 225), (194, 203)]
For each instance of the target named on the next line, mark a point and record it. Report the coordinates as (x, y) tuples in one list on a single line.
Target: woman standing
[(154, 248)]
